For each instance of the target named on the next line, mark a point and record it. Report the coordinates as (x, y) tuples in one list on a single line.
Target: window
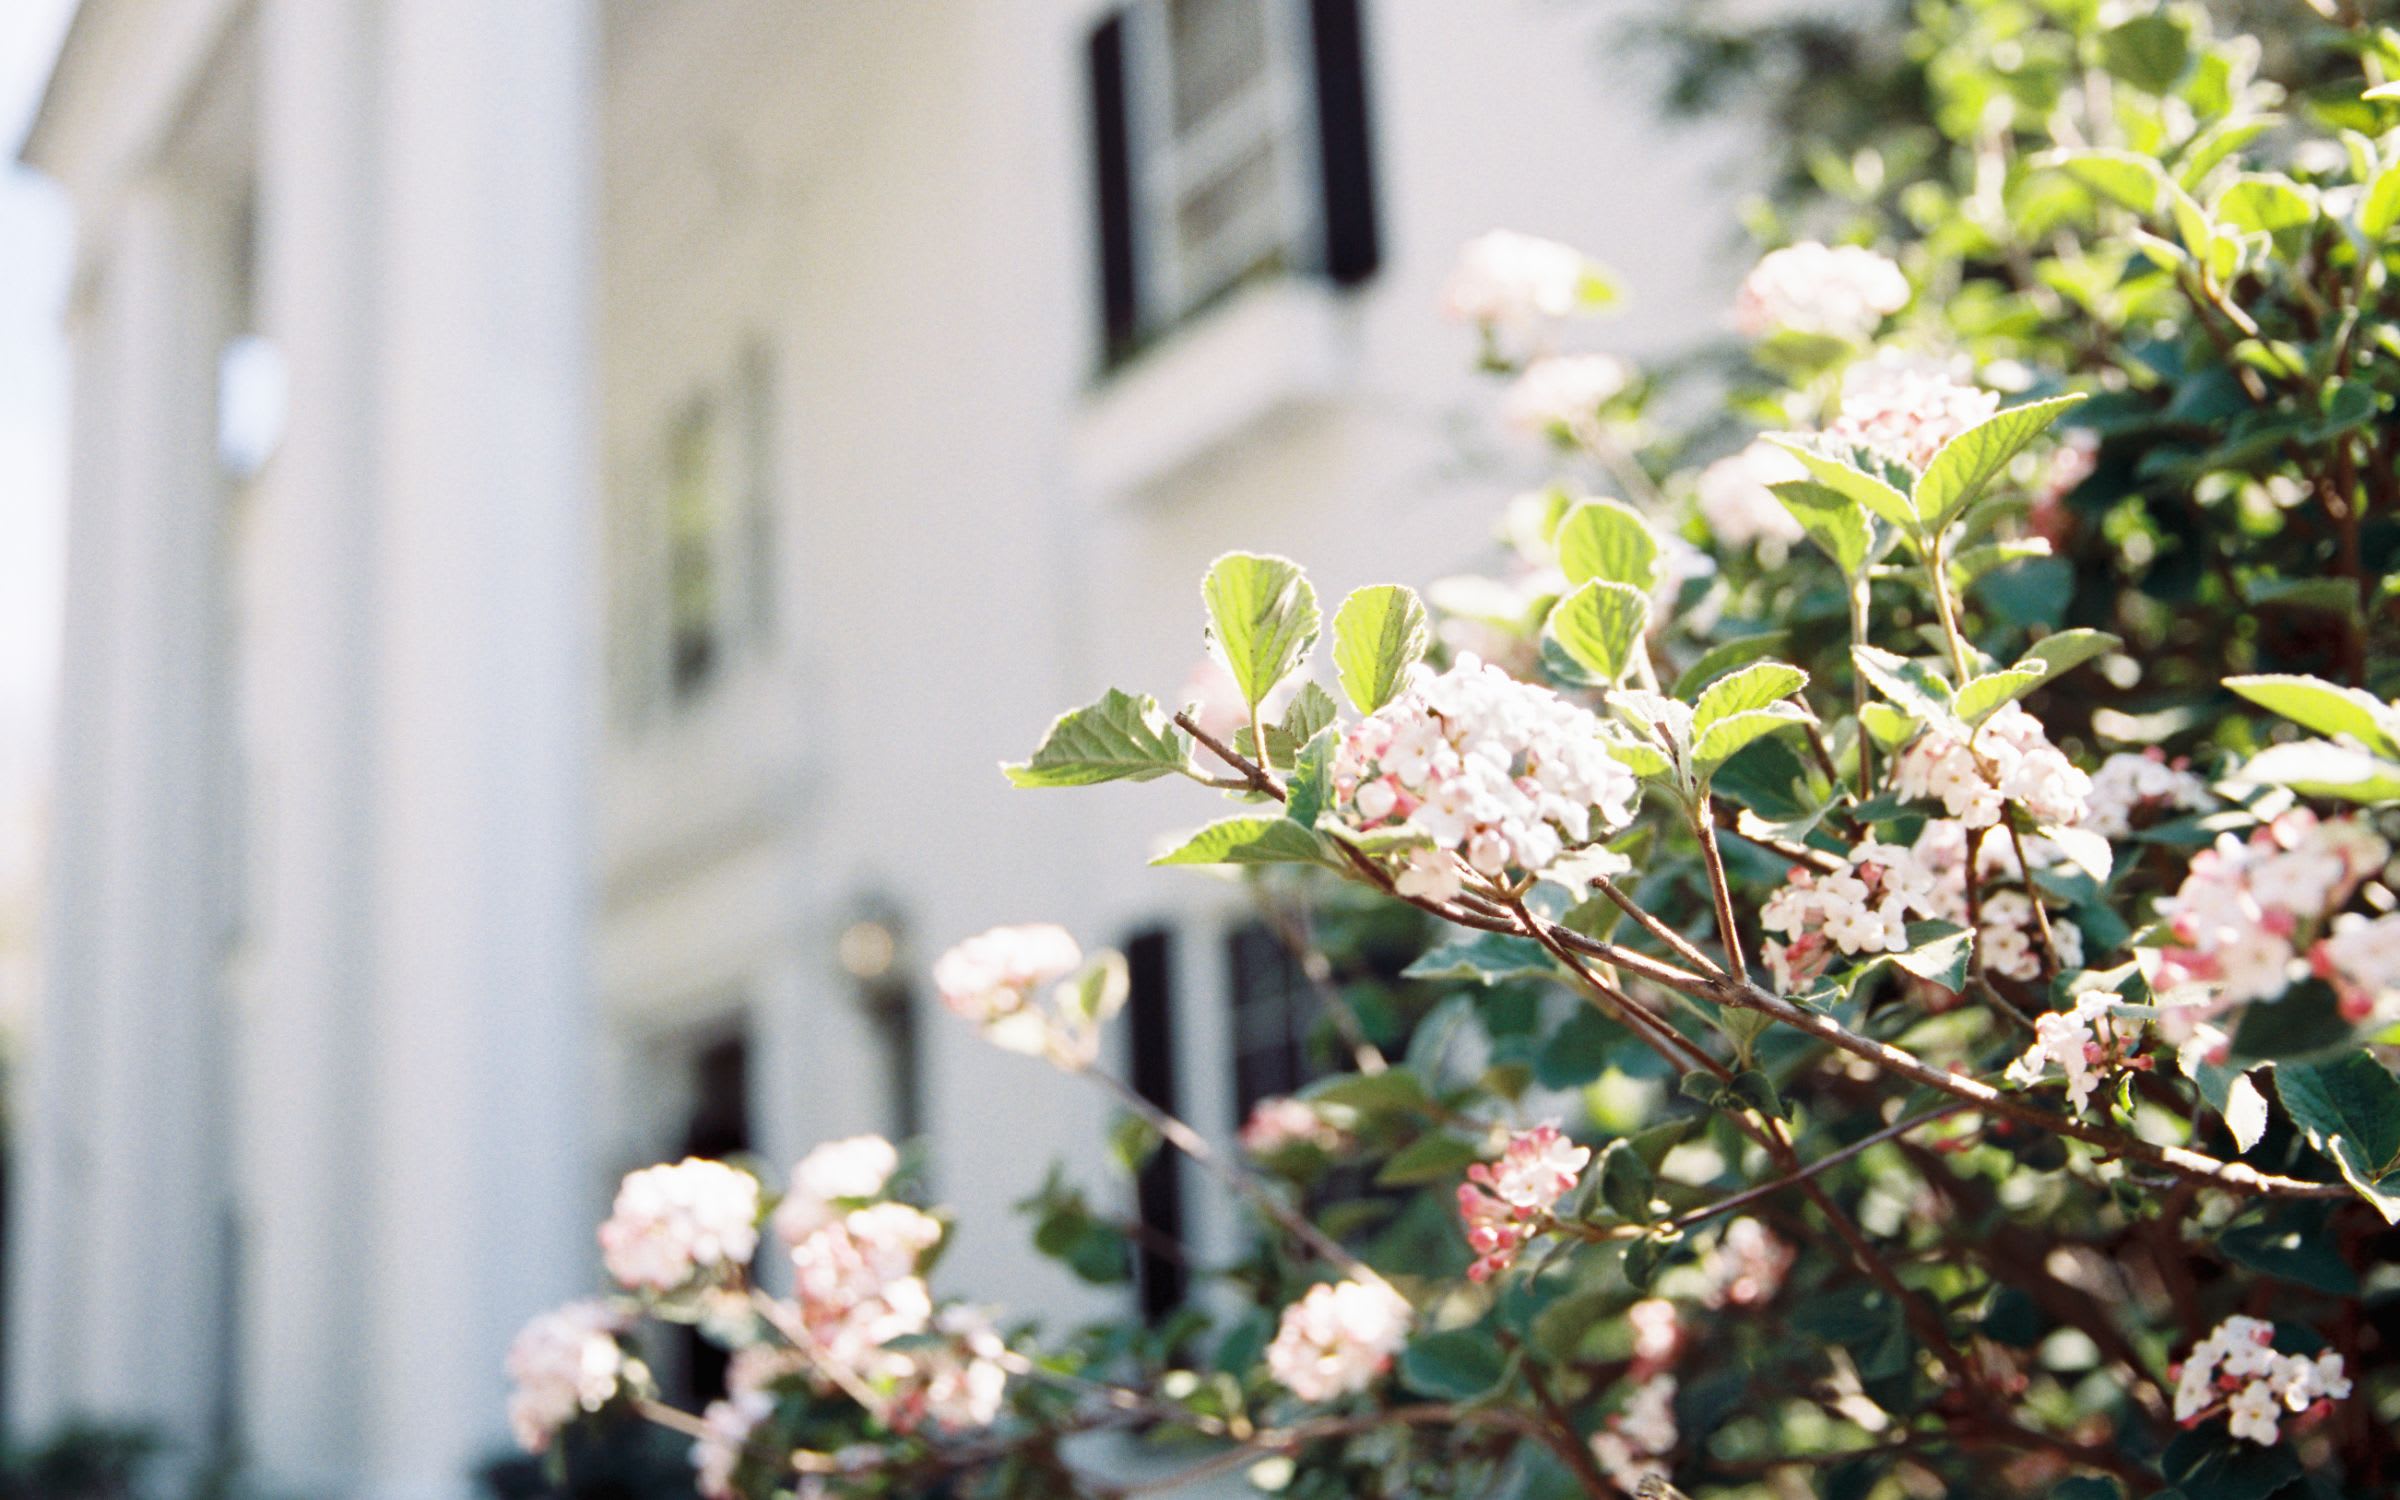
[(693, 558), (1229, 142), (716, 1125), (1274, 1017), (1159, 1270)]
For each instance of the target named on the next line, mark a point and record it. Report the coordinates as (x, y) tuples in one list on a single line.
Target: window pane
[(693, 584), (1220, 55), (1230, 224)]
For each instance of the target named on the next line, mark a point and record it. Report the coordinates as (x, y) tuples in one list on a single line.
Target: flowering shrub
[(1889, 1027)]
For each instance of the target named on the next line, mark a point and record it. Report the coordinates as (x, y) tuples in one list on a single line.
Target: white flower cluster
[(1863, 908), (957, 1384), (674, 1223), (2008, 759), (1633, 1446), (835, 1175), (564, 1363), (2078, 1043), (1502, 1203), (1338, 1338), (1563, 393), (1840, 291), (2237, 1366), (995, 979), (2244, 906), (1517, 284), (2360, 958), (1905, 407), (2130, 785), (1283, 1123), (1736, 503), (1505, 774), (726, 1425), (1745, 1267)]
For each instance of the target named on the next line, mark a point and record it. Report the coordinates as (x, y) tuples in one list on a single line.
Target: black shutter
[(1158, 1193), (1112, 190), (1352, 248)]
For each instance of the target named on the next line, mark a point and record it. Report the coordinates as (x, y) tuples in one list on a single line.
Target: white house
[(571, 501)]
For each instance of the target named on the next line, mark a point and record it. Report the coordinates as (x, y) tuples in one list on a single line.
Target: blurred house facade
[(570, 502)]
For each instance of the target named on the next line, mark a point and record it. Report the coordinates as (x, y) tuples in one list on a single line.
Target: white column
[(307, 1125), (48, 1289), (157, 1198), (486, 715)]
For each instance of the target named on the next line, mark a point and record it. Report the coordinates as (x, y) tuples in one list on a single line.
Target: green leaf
[(1311, 712), (1752, 687), (1854, 483), (2209, 1463), (1889, 725), (1937, 952), (1255, 839), (1577, 1052), (1626, 1183), (2262, 204), (1310, 786), (2350, 1112), (1832, 520), (1725, 656), (1981, 697), (1646, 761), (1912, 686), (2291, 1241), (1721, 741), (2149, 51), (2379, 210), (1119, 738), (2327, 708), (1487, 957), (1429, 1159), (1378, 634), (2064, 650), (1957, 473), (1599, 626), (2126, 178), (1455, 1366), (1263, 615), (1392, 1091), (1609, 541), (2320, 768)]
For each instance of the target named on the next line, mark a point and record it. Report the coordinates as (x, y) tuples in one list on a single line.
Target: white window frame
[(1279, 107)]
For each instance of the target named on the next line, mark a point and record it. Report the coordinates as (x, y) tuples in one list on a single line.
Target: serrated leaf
[(1310, 786), (1959, 470), (1981, 697), (1119, 738), (1599, 626), (1487, 957), (1392, 1091), (2209, 1463), (1577, 1052), (1609, 541), (1723, 740), (2235, 1098), (1753, 686), (1889, 725), (1833, 520), (1378, 634), (2326, 707), (1254, 839), (1912, 687), (1646, 761), (2350, 1112), (2148, 51), (2321, 768), (1263, 619), (1876, 495)]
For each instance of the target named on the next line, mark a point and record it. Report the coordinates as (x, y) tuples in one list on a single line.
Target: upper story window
[(693, 546), (1230, 143)]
